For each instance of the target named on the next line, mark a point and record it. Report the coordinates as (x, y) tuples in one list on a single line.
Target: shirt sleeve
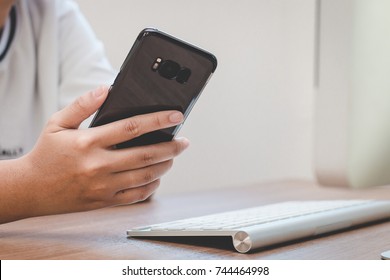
[(83, 62)]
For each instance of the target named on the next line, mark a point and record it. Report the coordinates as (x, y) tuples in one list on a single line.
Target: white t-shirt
[(49, 57)]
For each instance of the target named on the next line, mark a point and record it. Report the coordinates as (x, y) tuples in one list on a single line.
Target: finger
[(133, 195), (130, 128), (138, 157), (82, 108), (139, 177)]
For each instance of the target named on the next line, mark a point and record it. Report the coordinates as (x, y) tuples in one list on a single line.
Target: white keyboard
[(262, 226)]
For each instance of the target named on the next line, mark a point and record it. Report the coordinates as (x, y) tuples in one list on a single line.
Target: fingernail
[(176, 117), (99, 91), (184, 141)]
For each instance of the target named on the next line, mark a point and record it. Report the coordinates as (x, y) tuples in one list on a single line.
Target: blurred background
[(254, 120)]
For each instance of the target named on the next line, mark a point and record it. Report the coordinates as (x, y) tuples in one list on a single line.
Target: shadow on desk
[(220, 242)]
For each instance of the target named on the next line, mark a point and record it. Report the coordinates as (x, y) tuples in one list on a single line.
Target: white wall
[(254, 120)]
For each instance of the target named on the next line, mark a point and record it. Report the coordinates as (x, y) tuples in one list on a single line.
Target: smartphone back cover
[(159, 73)]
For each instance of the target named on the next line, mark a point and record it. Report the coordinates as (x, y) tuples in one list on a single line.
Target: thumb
[(82, 108)]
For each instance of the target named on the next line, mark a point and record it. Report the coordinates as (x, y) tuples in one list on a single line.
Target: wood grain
[(101, 234)]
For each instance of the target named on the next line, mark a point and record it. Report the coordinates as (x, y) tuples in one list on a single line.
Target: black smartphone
[(159, 73)]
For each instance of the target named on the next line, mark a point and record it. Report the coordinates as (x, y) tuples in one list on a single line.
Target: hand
[(73, 169)]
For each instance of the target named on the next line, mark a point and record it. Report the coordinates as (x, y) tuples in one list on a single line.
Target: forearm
[(16, 201)]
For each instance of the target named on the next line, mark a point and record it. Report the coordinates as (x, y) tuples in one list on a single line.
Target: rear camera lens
[(169, 69)]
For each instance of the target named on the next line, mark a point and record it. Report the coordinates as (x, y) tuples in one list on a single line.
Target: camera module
[(171, 70)]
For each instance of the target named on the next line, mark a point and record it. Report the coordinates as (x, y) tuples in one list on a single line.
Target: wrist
[(16, 190)]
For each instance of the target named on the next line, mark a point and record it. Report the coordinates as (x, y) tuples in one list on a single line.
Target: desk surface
[(101, 234)]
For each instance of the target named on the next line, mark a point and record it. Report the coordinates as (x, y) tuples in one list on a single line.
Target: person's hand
[(73, 169)]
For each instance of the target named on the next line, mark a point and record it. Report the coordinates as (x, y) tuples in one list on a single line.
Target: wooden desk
[(101, 234)]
